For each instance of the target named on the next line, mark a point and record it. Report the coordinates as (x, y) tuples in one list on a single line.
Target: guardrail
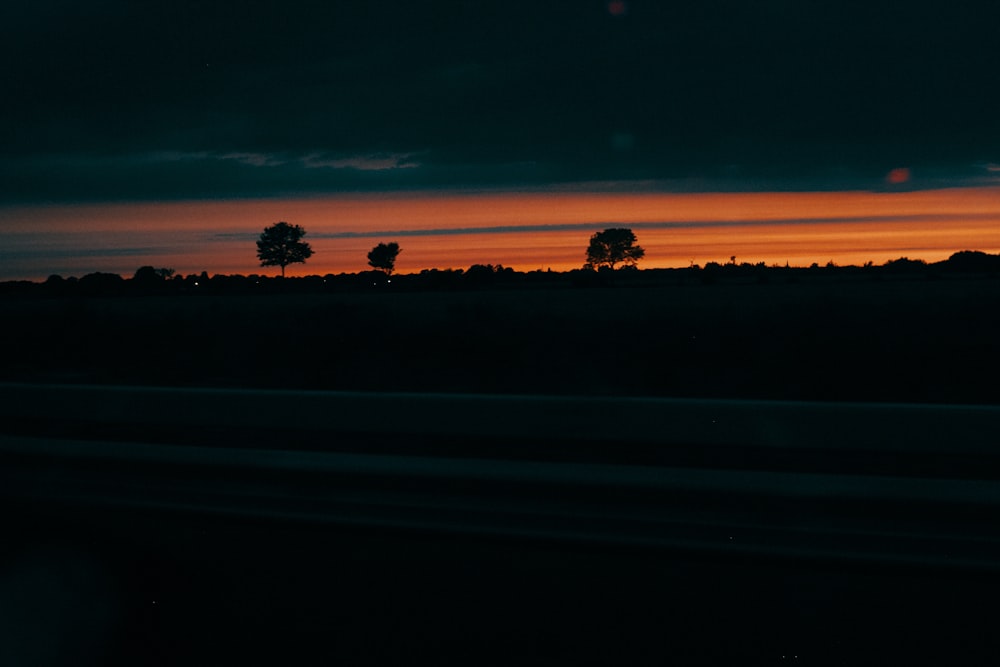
[(722, 477), (664, 421)]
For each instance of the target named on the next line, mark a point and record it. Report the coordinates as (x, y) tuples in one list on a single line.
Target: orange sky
[(675, 230)]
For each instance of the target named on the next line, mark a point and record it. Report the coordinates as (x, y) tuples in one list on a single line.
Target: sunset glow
[(524, 230)]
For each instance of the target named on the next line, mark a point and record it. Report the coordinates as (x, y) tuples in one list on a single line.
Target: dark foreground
[(128, 588), (551, 508), (842, 337), (178, 527)]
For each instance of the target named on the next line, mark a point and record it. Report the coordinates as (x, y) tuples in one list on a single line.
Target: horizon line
[(761, 264)]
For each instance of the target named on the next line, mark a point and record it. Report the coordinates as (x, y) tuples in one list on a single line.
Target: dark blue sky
[(111, 100)]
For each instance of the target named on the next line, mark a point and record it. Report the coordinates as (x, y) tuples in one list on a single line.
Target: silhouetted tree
[(904, 265), (973, 261), (101, 283), (151, 275), (281, 244), (383, 257), (482, 274), (611, 247), (55, 284), (147, 279)]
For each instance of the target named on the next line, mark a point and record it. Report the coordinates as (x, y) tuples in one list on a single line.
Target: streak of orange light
[(410, 211), (218, 236)]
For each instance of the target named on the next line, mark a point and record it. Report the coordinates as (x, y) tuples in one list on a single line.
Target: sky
[(171, 133)]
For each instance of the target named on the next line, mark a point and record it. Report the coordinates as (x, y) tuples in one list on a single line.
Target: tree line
[(281, 244), (149, 280)]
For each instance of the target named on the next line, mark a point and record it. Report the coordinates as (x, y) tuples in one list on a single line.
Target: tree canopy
[(611, 247), (281, 244), (383, 257)]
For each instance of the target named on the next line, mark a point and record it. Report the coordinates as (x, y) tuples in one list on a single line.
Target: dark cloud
[(48, 253), (944, 219), (103, 93)]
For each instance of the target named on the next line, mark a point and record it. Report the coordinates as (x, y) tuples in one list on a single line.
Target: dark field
[(839, 337), (160, 527)]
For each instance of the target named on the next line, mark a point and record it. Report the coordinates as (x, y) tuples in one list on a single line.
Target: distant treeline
[(148, 280)]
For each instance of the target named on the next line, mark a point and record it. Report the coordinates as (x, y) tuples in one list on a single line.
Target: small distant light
[(196, 284), (898, 176), (618, 8)]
